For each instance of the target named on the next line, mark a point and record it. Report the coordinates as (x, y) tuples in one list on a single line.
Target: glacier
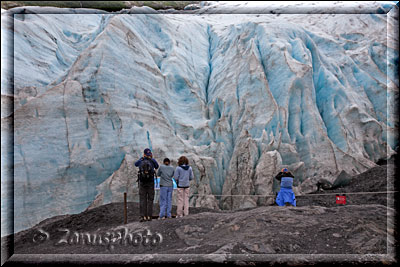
[(241, 96)]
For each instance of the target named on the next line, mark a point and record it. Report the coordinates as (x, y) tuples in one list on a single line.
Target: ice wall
[(240, 96)]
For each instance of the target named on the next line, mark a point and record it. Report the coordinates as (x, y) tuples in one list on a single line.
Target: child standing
[(183, 176), (166, 172)]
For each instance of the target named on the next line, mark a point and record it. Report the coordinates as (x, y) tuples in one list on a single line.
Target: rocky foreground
[(352, 229), (362, 228)]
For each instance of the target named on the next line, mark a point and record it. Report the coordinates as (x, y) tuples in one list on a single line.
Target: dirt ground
[(316, 226), (374, 180)]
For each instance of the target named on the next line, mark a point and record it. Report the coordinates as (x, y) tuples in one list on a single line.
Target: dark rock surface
[(305, 230), (375, 181)]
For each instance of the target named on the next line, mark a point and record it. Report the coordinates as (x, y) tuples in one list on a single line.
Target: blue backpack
[(286, 182)]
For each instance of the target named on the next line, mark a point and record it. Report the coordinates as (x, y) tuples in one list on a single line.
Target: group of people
[(183, 174)]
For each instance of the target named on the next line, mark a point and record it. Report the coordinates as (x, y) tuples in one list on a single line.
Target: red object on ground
[(340, 199)]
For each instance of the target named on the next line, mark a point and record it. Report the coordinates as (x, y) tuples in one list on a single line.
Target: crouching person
[(183, 175), (166, 172), (285, 196)]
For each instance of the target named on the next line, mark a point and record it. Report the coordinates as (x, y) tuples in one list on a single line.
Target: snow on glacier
[(241, 96)]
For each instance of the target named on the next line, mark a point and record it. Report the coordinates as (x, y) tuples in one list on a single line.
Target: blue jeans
[(165, 200)]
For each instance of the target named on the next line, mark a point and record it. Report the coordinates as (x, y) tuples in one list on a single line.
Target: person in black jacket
[(285, 195), (146, 187)]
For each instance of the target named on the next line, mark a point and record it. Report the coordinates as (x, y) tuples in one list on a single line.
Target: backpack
[(287, 182), (146, 171)]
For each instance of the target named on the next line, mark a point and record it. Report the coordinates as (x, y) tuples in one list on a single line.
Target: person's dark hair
[(183, 161), (166, 160)]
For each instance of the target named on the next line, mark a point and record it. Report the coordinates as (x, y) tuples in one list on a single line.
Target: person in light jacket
[(285, 196), (166, 173), (183, 175)]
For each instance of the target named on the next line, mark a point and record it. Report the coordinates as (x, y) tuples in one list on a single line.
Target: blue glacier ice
[(240, 96)]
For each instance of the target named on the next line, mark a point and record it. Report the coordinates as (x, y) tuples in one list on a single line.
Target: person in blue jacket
[(146, 186), (285, 196), (183, 175)]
